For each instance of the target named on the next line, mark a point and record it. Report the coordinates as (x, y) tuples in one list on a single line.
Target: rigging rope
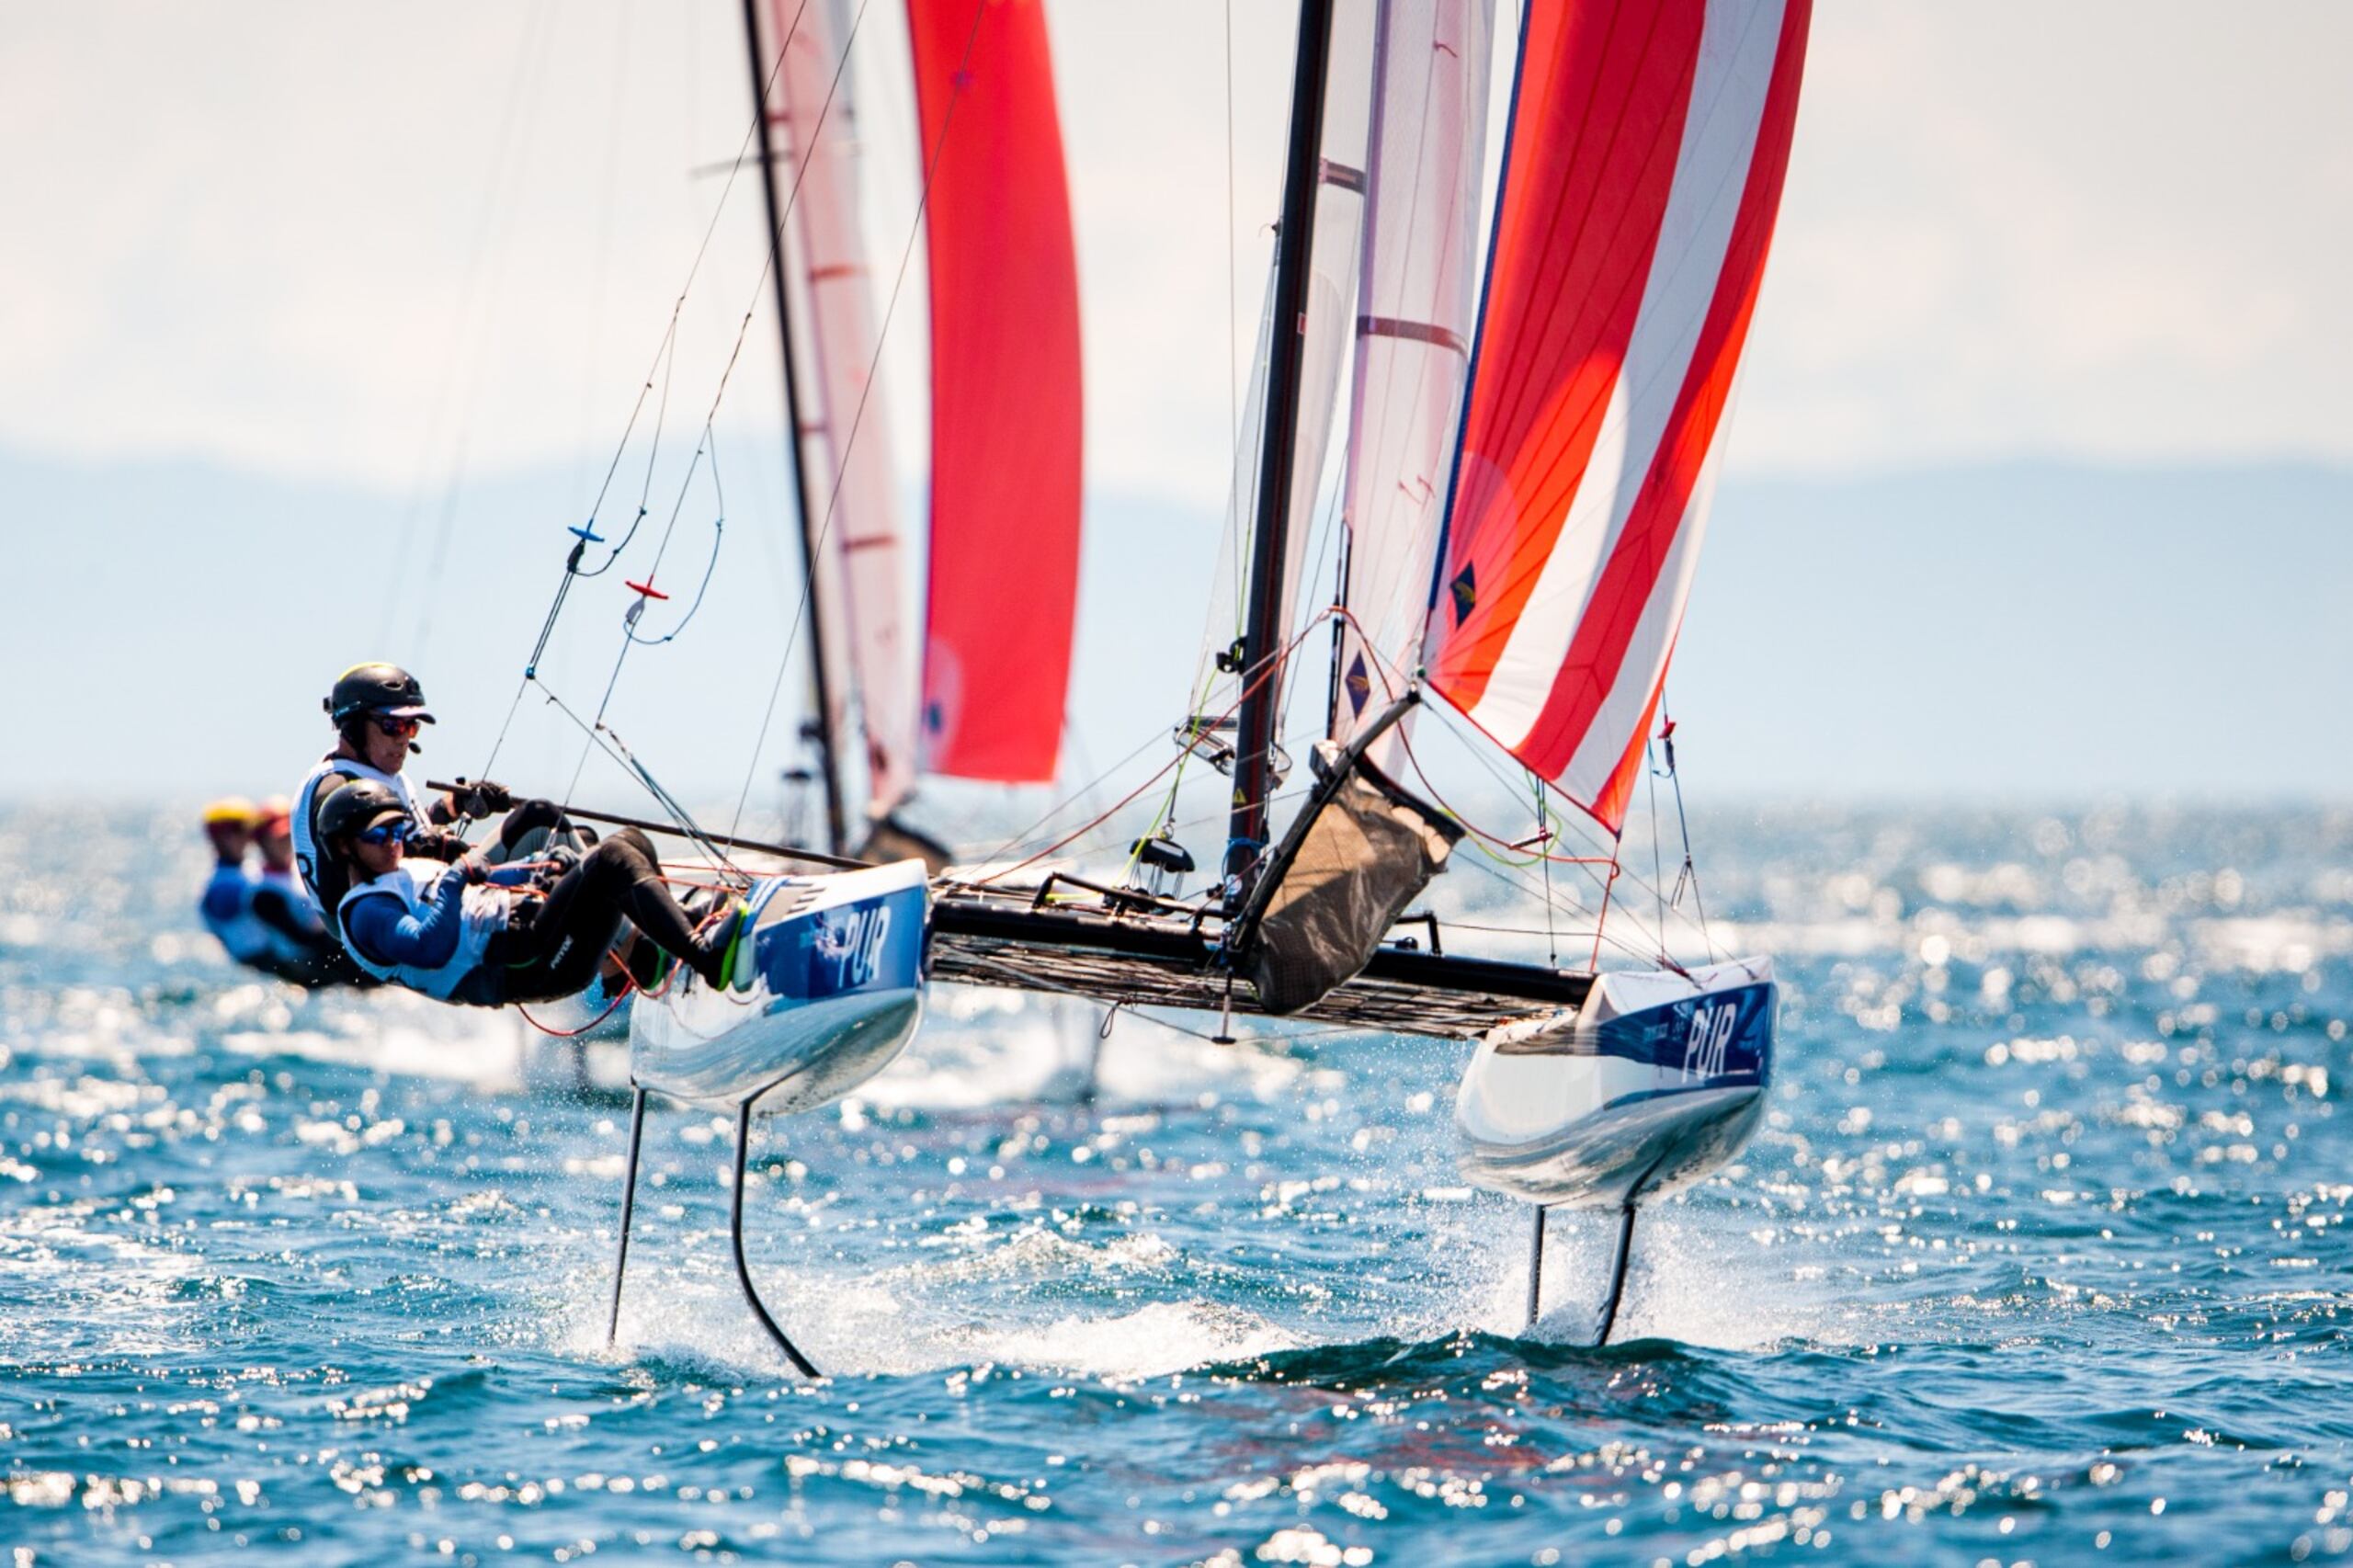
[(1267, 666), (618, 998), (663, 364), (1690, 873)]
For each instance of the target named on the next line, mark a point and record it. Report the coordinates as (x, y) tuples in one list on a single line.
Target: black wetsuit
[(555, 949)]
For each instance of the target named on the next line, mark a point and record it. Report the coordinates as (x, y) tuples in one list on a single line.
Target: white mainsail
[(1325, 334), (1413, 331)]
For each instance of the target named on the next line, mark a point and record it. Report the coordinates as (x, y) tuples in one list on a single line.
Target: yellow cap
[(229, 809)]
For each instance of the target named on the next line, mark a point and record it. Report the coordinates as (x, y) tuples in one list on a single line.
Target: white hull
[(833, 992), (1653, 1084)]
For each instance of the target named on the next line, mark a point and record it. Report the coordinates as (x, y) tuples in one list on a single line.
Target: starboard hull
[(833, 995), (1653, 1084)]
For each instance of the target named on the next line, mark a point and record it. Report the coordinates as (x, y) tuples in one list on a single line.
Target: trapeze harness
[(308, 857), (480, 914)]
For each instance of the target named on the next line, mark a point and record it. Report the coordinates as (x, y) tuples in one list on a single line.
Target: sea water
[(2040, 1254)]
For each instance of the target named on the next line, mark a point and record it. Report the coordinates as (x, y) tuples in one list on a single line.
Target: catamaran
[(1537, 413)]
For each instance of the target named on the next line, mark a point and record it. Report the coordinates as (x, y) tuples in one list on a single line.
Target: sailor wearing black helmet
[(376, 709), (486, 936)]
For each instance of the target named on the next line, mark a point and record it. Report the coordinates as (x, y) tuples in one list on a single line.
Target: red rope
[(1498, 840), (627, 987)]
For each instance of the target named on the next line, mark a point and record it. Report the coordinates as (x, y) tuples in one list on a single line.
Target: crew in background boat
[(227, 904), (486, 935), (263, 918)]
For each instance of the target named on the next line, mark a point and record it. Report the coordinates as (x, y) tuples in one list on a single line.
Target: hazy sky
[(405, 251), (288, 235)]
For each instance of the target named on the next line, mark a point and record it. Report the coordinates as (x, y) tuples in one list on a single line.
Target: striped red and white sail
[(1412, 338), (1007, 399), (1647, 146), (861, 561)]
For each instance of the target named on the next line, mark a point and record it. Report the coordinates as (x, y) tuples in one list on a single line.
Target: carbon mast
[(829, 766), (1261, 651)]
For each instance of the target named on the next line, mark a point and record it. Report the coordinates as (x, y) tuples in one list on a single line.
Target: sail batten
[(1649, 143), (1006, 396)]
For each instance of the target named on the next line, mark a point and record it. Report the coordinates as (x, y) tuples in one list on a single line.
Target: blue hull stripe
[(1724, 1039), (873, 945)]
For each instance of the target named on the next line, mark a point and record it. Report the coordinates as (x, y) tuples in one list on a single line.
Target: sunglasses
[(398, 729), (398, 831)]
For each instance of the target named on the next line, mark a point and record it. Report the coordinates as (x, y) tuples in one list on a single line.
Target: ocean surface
[(2040, 1256)]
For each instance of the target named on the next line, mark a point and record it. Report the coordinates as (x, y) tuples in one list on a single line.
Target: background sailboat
[(985, 701), (829, 990)]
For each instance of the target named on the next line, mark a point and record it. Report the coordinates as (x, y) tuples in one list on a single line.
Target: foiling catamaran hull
[(832, 992), (827, 990), (1583, 1090), (1652, 1086)]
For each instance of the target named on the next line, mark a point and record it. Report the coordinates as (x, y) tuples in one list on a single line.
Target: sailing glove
[(435, 846), (482, 798)]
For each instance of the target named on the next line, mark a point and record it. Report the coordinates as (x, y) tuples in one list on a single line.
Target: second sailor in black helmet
[(483, 936)]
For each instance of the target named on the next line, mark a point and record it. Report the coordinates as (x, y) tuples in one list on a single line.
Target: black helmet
[(376, 688), (357, 805)]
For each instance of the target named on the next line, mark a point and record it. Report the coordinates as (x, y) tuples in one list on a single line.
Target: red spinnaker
[(1006, 415)]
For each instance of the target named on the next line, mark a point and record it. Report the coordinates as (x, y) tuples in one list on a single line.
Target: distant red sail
[(1006, 413)]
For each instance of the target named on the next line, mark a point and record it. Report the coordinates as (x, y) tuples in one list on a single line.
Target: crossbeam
[(1003, 937)]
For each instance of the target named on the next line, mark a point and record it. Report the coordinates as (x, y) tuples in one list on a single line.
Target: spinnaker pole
[(829, 766), (1261, 652)]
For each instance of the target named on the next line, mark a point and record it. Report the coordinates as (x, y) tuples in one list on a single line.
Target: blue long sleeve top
[(385, 932)]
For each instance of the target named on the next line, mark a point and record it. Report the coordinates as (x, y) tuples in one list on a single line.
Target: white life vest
[(228, 910), (484, 916), (308, 853), (298, 899)]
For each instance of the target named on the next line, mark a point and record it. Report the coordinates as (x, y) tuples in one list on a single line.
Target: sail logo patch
[(1359, 684), (1465, 592)]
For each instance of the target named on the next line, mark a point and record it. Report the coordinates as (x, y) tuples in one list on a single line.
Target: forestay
[(1647, 145)]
